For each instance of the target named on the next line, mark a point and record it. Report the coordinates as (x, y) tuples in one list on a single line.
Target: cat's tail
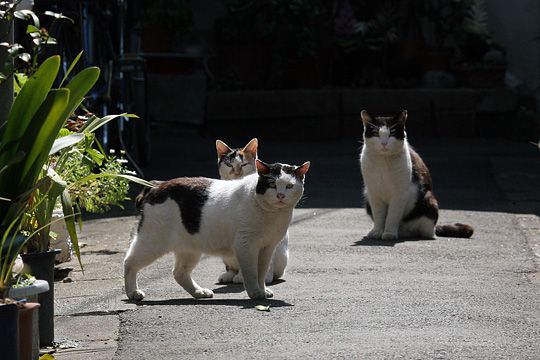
[(456, 230)]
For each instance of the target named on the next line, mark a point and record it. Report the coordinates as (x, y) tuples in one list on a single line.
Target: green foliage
[(35, 119), (30, 188), (99, 194), (20, 80), (24, 280), (19, 59), (33, 122), (476, 20)]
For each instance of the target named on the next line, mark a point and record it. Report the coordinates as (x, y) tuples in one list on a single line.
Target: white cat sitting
[(245, 218), (235, 164), (397, 184)]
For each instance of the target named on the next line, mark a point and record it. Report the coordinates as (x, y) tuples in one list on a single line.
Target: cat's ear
[(222, 148), (262, 167), (401, 117), (251, 148), (366, 118), (300, 171)]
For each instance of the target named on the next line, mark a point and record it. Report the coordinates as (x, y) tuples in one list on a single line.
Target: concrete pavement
[(342, 296)]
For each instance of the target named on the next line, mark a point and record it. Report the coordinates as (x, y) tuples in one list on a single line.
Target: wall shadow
[(468, 174)]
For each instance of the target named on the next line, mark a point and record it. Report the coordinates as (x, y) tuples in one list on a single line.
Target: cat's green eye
[(289, 186), (244, 164), (272, 185), (229, 165)]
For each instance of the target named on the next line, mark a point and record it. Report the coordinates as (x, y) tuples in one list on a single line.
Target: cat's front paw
[(387, 235), (260, 294), (268, 293), (136, 295), (227, 277), (374, 233), (238, 278), (203, 293)]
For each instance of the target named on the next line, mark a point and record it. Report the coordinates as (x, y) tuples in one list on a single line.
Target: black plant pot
[(41, 265), (9, 331)]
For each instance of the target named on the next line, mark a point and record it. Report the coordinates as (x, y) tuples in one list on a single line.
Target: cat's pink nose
[(280, 196)]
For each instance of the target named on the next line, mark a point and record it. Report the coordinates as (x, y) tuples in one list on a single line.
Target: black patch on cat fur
[(139, 200), (426, 203), (266, 179), (457, 230), (275, 172), (189, 193), (397, 128), (230, 156)]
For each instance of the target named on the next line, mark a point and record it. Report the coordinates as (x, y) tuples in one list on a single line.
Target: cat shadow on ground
[(241, 303), (365, 241), (238, 288)]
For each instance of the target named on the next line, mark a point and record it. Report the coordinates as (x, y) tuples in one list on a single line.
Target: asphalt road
[(343, 296)]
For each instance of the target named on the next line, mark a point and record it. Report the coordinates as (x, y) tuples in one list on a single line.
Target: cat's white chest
[(386, 177)]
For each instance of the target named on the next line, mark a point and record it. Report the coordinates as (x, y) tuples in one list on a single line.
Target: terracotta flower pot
[(28, 331), (9, 331)]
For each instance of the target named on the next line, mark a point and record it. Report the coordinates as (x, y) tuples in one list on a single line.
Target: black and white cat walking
[(245, 218), (398, 186)]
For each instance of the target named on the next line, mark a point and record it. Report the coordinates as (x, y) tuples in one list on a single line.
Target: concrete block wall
[(282, 115), (332, 114)]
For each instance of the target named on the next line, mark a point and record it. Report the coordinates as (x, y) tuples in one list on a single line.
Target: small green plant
[(24, 280), (76, 165), (21, 60)]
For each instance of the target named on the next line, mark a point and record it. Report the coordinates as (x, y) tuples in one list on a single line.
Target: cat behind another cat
[(397, 184), (245, 218), (235, 164)]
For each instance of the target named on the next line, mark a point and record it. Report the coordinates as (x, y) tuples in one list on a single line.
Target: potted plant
[(37, 114), (54, 190), (9, 309), (27, 288), (29, 187)]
